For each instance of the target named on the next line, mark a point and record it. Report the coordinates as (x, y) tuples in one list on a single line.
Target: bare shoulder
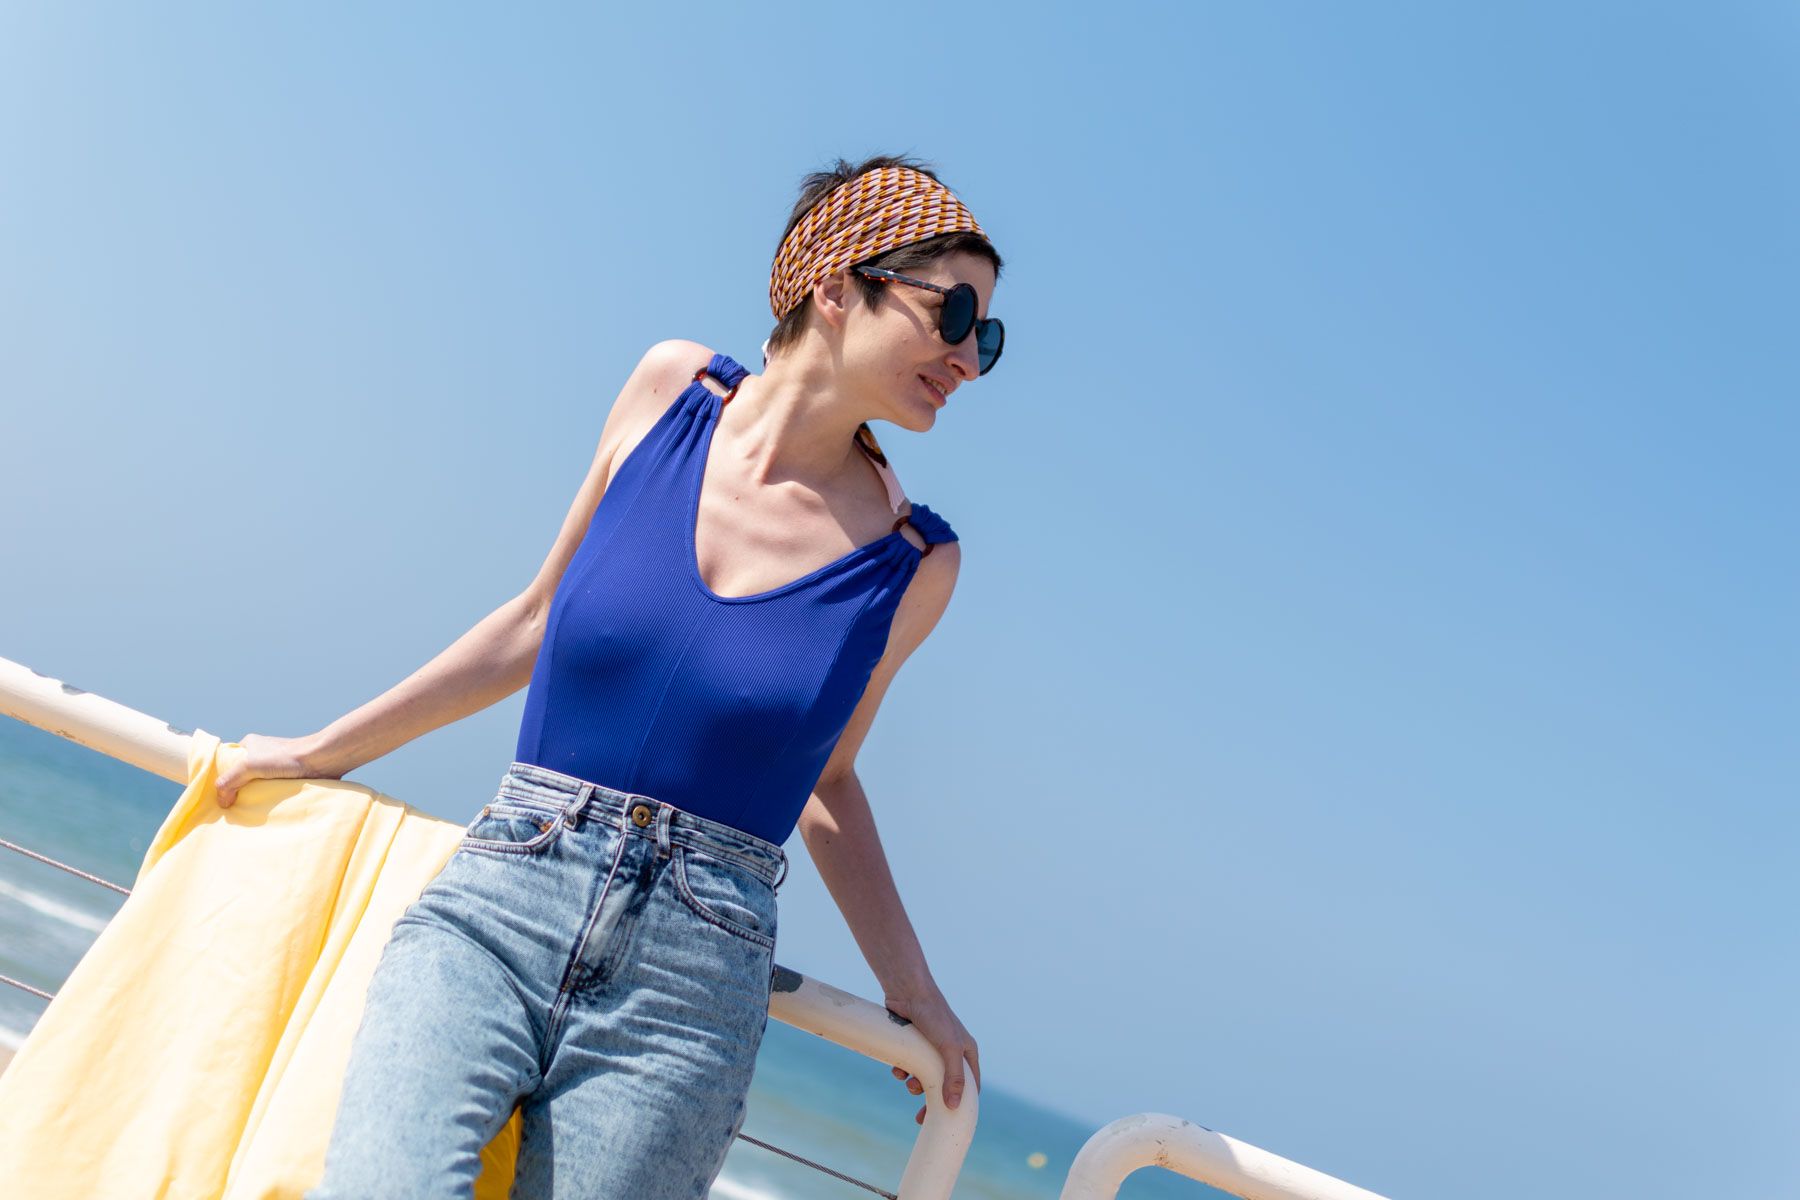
[(926, 598), (676, 356), (938, 570), (663, 373)]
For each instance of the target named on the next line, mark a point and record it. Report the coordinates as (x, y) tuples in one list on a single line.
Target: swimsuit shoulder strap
[(727, 371), (933, 528)]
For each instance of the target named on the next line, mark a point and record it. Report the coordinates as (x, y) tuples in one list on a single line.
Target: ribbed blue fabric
[(726, 706)]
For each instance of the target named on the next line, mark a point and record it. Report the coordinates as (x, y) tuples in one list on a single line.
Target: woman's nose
[(965, 358)]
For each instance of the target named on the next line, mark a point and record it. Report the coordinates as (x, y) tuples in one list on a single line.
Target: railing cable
[(65, 866), (818, 1166), (27, 987)]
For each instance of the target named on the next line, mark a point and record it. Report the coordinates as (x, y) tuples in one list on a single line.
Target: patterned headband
[(873, 213)]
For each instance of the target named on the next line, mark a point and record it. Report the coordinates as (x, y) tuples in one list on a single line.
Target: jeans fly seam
[(565, 993)]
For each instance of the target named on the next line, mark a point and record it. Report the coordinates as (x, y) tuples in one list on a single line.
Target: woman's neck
[(789, 423)]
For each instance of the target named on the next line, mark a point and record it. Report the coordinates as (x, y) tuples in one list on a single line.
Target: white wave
[(12, 1039), (53, 908)]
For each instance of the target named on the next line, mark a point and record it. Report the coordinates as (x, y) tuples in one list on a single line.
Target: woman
[(730, 596)]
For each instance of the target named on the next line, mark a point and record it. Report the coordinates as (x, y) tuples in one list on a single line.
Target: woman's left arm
[(844, 845), (838, 827)]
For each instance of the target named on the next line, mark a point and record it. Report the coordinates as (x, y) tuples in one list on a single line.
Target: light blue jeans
[(599, 958)]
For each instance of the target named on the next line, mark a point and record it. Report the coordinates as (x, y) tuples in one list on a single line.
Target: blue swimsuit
[(725, 706)]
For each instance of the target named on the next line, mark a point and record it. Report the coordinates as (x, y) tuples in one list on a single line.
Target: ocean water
[(809, 1096)]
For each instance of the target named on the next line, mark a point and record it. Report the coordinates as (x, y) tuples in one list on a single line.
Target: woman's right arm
[(485, 665), (494, 659)]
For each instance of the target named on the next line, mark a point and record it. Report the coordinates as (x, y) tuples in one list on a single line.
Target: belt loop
[(572, 814), (664, 814), (782, 873)]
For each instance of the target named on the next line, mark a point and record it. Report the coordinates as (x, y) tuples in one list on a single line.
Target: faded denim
[(600, 958)]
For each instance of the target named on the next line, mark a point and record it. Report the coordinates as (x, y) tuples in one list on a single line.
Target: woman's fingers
[(953, 1077), (954, 1084), (259, 757)]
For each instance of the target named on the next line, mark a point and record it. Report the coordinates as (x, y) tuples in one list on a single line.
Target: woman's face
[(892, 347)]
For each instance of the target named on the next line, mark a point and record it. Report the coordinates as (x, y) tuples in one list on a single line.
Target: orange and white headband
[(872, 214)]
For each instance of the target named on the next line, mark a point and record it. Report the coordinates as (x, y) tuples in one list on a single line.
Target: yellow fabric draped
[(198, 1048)]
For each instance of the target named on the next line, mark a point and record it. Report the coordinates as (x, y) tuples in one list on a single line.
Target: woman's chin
[(921, 420)]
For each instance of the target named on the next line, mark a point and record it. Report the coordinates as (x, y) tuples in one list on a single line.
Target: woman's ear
[(831, 298)]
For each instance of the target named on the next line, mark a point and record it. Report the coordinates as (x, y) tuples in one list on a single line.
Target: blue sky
[(1365, 721)]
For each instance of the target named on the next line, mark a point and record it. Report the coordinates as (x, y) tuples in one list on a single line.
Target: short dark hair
[(820, 184)]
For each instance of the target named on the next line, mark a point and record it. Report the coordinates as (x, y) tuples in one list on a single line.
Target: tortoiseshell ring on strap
[(873, 213), (929, 545), (702, 373)]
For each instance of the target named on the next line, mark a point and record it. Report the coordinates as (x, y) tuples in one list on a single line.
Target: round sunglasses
[(956, 318)]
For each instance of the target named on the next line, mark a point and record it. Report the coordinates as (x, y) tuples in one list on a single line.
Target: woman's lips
[(941, 398)]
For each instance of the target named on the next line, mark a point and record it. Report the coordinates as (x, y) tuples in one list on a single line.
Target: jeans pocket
[(725, 894), (511, 826)]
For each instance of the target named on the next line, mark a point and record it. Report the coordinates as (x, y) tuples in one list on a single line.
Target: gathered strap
[(725, 369), (728, 373), (933, 528)]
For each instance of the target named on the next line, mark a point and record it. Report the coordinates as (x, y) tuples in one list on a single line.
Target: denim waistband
[(585, 799)]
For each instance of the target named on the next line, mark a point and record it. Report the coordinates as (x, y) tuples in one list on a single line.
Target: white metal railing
[(1159, 1140), (1149, 1139)]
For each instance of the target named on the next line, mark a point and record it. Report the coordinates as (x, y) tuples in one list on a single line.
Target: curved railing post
[(870, 1029), (1159, 1140)]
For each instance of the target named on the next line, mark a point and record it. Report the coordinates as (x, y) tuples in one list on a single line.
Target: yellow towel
[(197, 1050)]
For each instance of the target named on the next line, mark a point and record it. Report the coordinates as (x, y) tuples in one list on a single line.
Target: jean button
[(641, 815)]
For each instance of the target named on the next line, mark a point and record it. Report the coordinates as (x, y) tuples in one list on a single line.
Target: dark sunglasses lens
[(990, 337), (958, 316)]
